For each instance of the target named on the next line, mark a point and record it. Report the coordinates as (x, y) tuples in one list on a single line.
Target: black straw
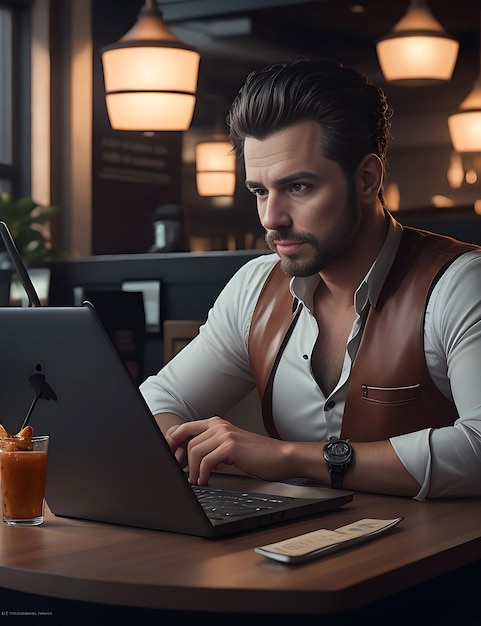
[(30, 410), (42, 391)]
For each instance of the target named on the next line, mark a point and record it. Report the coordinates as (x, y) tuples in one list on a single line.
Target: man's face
[(302, 198)]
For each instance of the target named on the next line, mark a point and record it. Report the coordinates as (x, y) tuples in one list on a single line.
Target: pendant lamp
[(215, 165), (417, 51), (465, 125), (150, 77)]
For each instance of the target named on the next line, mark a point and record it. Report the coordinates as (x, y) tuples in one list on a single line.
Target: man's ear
[(369, 177)]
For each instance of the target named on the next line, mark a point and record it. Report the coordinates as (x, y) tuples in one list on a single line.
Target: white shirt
[(212, 373)]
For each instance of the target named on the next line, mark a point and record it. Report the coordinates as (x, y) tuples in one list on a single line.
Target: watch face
[(338, 452), (339, 449)]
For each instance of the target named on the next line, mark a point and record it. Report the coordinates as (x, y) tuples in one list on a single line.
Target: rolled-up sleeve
[(211, 374), (447, 461)]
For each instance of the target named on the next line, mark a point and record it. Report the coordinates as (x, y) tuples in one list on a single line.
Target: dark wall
[(189, 283), (459, 222), (132, 174)]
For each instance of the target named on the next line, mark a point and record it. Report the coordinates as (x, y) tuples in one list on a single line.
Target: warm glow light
[(392, 196), (150, 77), (477, 206), (215, 168), (41, 106), (417, 50), (357, 8), (471, 177), (465, 125), (441, 202), (455, 173), (153, 111)]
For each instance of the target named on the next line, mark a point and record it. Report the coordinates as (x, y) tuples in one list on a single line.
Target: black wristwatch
[(337, 454)]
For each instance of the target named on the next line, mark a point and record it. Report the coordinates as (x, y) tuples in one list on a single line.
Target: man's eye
[(258, 191), (296, 187)]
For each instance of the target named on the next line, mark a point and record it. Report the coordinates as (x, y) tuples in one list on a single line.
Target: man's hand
[(205, 444)]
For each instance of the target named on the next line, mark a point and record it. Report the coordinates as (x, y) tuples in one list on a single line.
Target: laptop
[(108, 460)]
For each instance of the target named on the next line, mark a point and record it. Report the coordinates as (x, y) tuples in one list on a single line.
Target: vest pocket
[(390, 395)]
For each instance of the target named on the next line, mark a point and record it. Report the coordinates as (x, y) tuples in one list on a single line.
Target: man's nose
[(273, 212)]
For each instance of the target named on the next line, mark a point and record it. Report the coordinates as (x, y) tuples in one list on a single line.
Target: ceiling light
[(150, 77), (417, 51), (215, 163), (465, 125)]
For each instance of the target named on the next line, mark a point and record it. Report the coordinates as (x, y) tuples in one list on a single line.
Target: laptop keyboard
[(220, 504)]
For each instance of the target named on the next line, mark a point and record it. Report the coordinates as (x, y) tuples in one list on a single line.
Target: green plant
[(26, 221)]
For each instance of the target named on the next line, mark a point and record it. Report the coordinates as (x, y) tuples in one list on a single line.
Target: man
[(372, 384)]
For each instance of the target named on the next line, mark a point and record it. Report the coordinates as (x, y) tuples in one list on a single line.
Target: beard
[(322, 253), (294, 264)]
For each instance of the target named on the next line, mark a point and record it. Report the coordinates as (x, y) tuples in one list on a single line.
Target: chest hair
[(330, 347)]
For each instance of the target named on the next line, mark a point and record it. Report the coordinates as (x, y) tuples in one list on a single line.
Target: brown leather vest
[(391, 391)]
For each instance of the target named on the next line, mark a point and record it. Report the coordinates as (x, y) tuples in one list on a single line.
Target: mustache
[(285, 234)]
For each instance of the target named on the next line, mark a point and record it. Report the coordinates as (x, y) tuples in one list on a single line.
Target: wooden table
[(79, 560)]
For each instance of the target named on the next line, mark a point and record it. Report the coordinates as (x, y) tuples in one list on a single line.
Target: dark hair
[(353, 113)]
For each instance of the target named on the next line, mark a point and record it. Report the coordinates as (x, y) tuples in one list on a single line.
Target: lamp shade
[(417, 51), (465, 125), (150, 77), (215, 168)]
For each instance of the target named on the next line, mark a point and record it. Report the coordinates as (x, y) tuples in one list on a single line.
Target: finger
[(208, 464), (176, 439), (205, 453), (183, 432), (177, 450), (170, 431), (181, 457), (197, 448)]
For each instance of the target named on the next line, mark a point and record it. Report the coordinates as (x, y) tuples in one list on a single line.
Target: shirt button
[(329, 405)]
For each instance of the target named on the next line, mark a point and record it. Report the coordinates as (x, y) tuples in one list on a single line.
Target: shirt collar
[(303, 288)]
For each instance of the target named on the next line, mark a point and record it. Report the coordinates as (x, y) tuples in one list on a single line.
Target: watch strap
[(337, 466), (337, 475)]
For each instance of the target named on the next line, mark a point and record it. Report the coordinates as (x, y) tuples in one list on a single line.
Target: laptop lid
[(108, 460)]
